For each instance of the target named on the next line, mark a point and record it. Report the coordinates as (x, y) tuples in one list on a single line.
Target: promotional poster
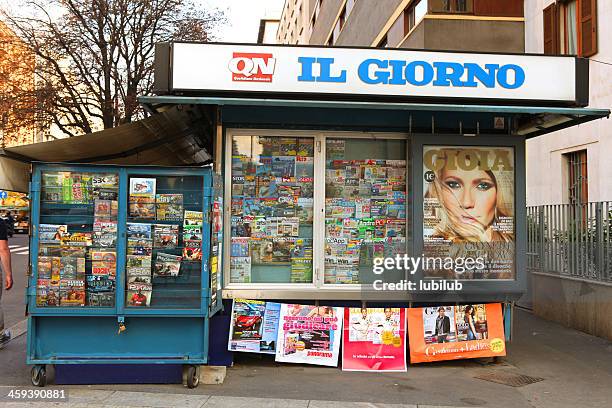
[(456, 332), (309, 334), (468, 210), (254, 326), (374, 339)]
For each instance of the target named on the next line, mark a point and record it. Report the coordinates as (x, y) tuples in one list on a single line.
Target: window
[(451, 6), (77, 262), (570, 27), (578, 187), (365, 207), (284, 233), (272, 209)]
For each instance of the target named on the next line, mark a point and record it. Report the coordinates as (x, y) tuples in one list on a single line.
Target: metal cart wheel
[(39, 376), (193, 376)]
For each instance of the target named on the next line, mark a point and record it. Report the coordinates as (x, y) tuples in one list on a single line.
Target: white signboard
[(378, 72)]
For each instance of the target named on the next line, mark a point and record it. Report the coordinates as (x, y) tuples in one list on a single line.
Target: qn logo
[(252, 67)]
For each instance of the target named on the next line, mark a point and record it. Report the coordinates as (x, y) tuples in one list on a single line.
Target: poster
[(468, 209), (309, 334), (254, 326), (456, 332), (374, 339)]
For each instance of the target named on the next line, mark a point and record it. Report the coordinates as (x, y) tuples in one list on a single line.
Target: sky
[(243, 17)]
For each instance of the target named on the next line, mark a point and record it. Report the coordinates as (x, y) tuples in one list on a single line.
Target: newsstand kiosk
[(123, 267), (336, 156)]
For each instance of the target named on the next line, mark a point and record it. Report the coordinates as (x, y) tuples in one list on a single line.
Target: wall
[(546, 183), (325, 21), (365, 22), (585, 306), (486, 35)]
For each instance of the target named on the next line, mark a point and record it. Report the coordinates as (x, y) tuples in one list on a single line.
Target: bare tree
[(94, 57)]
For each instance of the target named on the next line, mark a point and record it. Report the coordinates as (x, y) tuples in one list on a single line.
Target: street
[(13, 301)]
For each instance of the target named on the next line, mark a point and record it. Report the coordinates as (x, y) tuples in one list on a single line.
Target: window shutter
[(588, 27), (551, 30)]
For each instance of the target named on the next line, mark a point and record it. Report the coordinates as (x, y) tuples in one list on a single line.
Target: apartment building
[(294, 25), (464, 25), (570, 166)]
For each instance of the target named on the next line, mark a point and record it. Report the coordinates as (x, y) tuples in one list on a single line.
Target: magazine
[(142, 210), (192, 250), (254, 326), (169, 207), (100, 283), (102, 299), (103, 262), (139, 294), (72, 267), (309, 334), (143, 187), (374, 339), (42, 289), (105, 233), (240, 269), (139, 230), (167, 264), (165, 236), (72, 292), (105, 208), (80, 239), (138, 265), (44, 267), (51, 233)]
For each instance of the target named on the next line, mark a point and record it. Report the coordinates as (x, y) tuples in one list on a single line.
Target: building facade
[(463, 25), (294, 27), (570, 166)]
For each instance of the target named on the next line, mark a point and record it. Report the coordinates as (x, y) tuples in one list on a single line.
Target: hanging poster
[(309, 334), (468, 210), (456, 332), (374, 339), (254, 326)]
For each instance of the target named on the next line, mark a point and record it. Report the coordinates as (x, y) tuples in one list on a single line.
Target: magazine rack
[(124, 266)]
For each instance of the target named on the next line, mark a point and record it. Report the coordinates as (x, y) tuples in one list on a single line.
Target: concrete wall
[(486, 35), (416, 39), (325, 21), (585, 306), (546, 173), (365, 22)]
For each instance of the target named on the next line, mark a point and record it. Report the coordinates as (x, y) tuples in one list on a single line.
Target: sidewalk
[(112, 399), (576, 369)]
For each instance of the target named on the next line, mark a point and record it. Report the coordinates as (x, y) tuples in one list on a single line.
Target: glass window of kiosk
[(271, 213), (365, 207), (314, 208), (164, 242), (77, 250)]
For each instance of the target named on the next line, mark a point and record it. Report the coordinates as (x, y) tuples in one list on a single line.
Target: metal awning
[(527, 121), (175, 137)]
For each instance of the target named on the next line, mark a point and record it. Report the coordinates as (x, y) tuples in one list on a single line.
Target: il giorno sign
[(369, 72)]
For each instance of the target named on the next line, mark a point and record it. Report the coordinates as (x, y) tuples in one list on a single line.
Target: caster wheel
[(39, 376), (193, 377)]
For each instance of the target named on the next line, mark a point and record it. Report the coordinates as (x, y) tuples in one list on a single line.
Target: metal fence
[(571, 239)]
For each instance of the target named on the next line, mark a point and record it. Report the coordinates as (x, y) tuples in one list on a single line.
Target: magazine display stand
[(123, 266)]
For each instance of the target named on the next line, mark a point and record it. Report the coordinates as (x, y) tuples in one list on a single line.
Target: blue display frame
[(51, 330)]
